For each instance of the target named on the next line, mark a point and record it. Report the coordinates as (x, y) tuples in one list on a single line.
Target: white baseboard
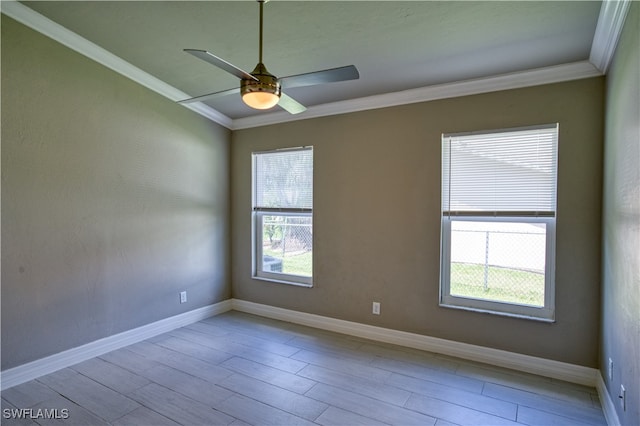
[(544, 367), (32, 370), (608, 407), (526, 363)]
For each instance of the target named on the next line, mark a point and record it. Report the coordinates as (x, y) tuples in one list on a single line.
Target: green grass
[(467, 280), (503, 284), (298, 264)]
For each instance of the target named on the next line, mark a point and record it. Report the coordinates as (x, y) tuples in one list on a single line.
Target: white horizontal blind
[(502, 172), (283, 180)]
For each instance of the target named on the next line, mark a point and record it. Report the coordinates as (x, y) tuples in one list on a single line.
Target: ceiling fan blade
[(291, 105), (349, 72), (210, 96), (220, 63)]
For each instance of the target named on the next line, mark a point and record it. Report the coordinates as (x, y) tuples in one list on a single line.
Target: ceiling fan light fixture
[(261, 100), (263, 93)]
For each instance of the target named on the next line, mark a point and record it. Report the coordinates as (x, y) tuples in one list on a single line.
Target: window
[(282, 216), (498, 221)]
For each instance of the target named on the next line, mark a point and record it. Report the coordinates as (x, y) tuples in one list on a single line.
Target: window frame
[(257, 235), (545, 313), (258, 271), (541, 313)]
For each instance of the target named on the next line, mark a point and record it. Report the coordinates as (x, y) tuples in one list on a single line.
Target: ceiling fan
[(262, 90)]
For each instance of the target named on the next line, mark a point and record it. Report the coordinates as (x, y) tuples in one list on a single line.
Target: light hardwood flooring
[(241, 369)]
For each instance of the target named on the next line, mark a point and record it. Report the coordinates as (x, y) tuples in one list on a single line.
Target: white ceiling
[(395, 45)]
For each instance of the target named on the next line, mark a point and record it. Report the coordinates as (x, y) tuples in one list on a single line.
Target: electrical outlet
[(376, 308), (610, 369), (183, 297), (623, 398)]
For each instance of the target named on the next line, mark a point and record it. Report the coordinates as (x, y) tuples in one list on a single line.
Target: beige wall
[(377, 217), (114, 199), (621, 223)]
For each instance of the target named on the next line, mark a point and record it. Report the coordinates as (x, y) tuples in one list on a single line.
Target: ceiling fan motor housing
[(267, 82)]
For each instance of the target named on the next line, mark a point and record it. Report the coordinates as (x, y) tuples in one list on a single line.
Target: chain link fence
[(499, 261), (287, 244)]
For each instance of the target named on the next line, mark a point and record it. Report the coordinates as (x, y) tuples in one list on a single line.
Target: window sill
[(503, 314), (293, 283)]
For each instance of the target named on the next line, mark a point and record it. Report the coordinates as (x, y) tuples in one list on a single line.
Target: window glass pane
[(287, 243), (284, 179), (498, 261)]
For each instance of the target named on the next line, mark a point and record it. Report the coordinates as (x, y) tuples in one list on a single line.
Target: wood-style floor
[(241, 369)]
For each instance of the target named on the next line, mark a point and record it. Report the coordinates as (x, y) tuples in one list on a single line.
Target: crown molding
[(608, 30), (536, 77), (57, 32), (610, 24)]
